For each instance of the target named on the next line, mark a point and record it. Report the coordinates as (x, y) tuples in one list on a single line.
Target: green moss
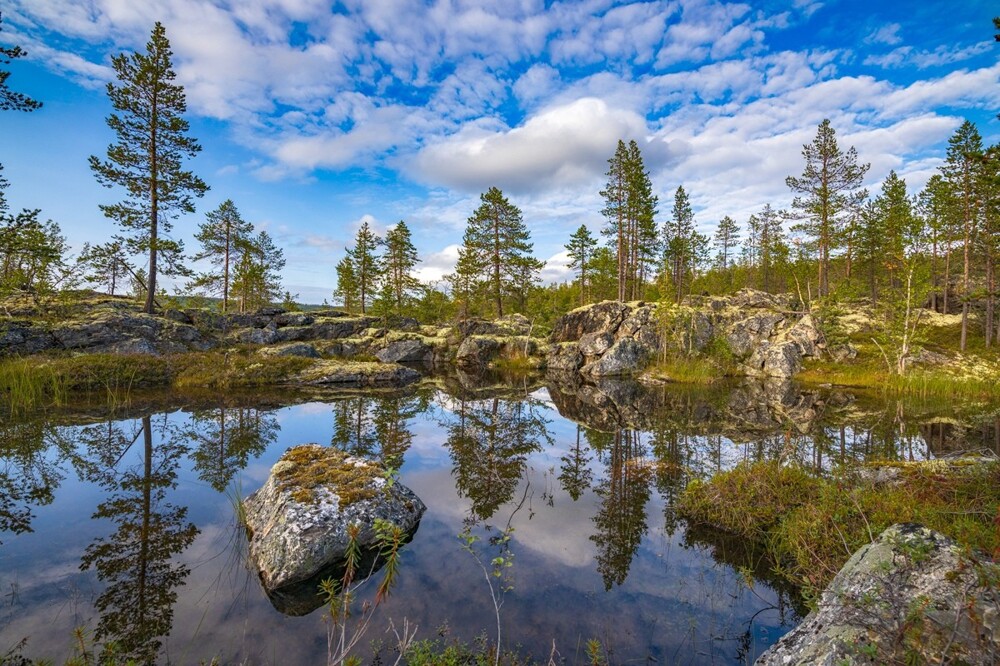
[(312, 466), (811, 526), (235, 369)]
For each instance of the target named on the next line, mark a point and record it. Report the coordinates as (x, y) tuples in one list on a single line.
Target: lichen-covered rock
[(595, 344), (911, 596), (745, 335), (564, 357), (806, 334), (406, 351), (293, 349), (477, 351), (356, 374), (625, 357), (18, 338), (298, 520), (781, 359), (603, 317)]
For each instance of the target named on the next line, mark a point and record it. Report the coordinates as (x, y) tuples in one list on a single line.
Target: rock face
[(298, 520), (761, 331), (911, 596)]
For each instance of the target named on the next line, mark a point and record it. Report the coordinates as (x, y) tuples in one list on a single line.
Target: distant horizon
[(314, 119)]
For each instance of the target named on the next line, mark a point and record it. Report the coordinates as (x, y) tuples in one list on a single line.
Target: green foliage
[(256, 281), (580, 249), (398, 260), (495, 264), (685, 247), (827, 194), (146, 159), (361, 269), (630, 208), (11, 100), (106, 265), (811, 526), (224, 236)]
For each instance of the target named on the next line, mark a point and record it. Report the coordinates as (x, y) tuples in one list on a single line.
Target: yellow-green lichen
[(304, 469)]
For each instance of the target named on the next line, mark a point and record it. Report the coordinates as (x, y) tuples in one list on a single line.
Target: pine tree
[(31, 251), (106, 264), (727, 237), (219, 235), (829, 194), (962, 171), (580, 248), (257, 279), (685, 246), (496, 239), (347, 291), (11, 100), (367, 267), (398, 260), (631, 208), (765, 244), (937, 206), (615, 209), (146, 160)]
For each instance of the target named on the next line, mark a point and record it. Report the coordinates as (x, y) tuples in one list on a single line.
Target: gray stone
[(625, 357), (565, 357), (297, 531), (406, 351), (747, 334), (294, 349), (603, 317), (909, 580), (807, 336), (477, 351), (294, 319), (595, 344), (355, 374), (18, 338), (781, 359)]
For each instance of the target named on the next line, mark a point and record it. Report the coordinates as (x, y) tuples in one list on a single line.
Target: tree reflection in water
[(376, 427), (226, 438), (575, 475), (28, 475), (621, 520), (490, 441), (136, 607)]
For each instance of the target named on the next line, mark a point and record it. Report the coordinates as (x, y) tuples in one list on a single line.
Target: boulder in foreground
[(911, 596), (297, 522)]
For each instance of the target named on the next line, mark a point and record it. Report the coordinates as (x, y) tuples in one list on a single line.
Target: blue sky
[(316, 115)]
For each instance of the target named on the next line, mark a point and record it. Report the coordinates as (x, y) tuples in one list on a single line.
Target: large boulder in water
[(298, 521), (911, 596)]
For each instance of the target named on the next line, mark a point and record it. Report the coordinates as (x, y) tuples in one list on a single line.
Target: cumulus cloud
[(560, 146)]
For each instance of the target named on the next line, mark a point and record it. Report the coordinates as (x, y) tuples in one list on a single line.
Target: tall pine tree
[(219, 235), (398, 259), (366, 264), (146, 160), (580, 248), (962, 169), (497, 240), (828, 194)]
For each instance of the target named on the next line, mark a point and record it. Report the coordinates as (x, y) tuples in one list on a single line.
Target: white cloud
[(887, 34), (560, 146), (435, 265)]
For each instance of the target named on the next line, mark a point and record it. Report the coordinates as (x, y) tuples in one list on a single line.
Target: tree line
[(833, 242)]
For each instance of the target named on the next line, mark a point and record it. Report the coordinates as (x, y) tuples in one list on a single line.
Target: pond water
[(121, 522)]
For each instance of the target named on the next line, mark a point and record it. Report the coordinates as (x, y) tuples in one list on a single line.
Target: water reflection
[(28, 475), (135, 562), (490, 441), (610, 461), (224, 439)]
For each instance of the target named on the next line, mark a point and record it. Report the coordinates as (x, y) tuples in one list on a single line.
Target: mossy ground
[(43, 381), (811, 525), (313, 466)]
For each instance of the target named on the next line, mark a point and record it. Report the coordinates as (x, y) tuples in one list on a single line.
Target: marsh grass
[(918, 383), (811, 526), (39, 382)]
